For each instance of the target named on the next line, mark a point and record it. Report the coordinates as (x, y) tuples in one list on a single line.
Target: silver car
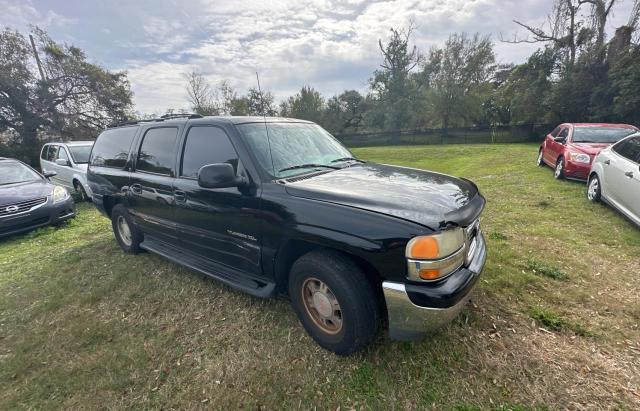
[(69, 161), (615, 177)]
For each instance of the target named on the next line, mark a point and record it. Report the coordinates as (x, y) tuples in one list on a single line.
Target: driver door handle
[(136, 188), (607, 162), (629, 174)]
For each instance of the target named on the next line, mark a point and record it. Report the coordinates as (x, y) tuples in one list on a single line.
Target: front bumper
[(415, 310), (42, 216), (577, 171)]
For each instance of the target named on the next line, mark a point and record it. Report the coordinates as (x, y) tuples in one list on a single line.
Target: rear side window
[(555, 132), (157, 150), (206, 145), (629, 149), (112, 147), (43, 155)]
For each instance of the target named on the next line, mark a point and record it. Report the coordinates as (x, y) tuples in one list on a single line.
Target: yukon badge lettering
[(241, 235)]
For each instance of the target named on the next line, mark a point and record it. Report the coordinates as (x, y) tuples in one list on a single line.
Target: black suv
[(278, 205)]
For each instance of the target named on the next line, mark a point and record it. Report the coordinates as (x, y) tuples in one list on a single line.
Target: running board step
[(229, 276)]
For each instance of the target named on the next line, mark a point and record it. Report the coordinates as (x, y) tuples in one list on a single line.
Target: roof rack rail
[(155, 120)]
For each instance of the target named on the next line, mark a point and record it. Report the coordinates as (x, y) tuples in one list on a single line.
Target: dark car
[(29, 200), (278, 205)]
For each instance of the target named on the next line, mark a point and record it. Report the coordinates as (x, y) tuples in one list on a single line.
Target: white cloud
[(331, 45)]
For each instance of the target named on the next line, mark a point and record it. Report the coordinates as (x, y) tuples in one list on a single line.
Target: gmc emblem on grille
[(11, 209)]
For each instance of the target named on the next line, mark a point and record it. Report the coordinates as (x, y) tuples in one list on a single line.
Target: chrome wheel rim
[(593, 189), (322, 306), (558, 171), (124, 231)]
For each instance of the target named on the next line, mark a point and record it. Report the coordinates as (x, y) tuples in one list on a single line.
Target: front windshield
[(12, 173), (301, 145), (80, 154), (600, 134)]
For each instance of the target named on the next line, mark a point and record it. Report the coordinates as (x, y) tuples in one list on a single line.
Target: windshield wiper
[(347, 159), (308, 166)]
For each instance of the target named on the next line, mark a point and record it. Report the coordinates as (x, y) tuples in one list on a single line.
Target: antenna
[(266, 127)]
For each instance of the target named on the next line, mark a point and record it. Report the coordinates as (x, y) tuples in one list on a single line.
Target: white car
[(615, 177), (69, 161)]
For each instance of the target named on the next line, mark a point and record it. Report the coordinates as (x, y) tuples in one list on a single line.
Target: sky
[(328, 45)]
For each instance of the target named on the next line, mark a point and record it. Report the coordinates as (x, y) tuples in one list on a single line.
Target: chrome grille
[(470, 233), (8, 210)]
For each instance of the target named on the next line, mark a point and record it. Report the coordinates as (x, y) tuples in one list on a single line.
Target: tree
[(625, 81), (200, 94), (390, 84), (71, 99), (307, 104), (259, 104), (345, 112), (456, 77)]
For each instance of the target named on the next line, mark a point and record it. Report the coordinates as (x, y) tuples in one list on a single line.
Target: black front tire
[(348, 286), (82, 192), (540, 161), (594, 189), (125, 230), (558, 172)]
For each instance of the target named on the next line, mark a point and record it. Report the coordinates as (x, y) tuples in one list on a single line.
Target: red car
[(571, 147)]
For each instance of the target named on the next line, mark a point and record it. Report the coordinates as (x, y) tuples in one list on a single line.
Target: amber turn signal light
[(424, 248), (429, 274)]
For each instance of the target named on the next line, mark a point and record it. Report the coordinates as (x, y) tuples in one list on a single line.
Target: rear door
[(624, 175), (546, 150), (150, 194), (219, 224)]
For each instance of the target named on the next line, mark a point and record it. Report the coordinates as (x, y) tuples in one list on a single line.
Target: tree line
[(50, 90), (576, 75)]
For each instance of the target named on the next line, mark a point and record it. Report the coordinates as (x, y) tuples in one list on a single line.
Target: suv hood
[(424, 197), (15, 193)]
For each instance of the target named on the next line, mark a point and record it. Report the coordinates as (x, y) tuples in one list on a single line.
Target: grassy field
[(554, 322)]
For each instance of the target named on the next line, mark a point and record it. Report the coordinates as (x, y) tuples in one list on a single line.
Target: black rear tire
[(346, 285), (125, 230)]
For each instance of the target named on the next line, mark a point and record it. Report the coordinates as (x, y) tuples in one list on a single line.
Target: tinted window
[(206, 145), (555, 131), (80, 154), (629, 149), (43, 155), (157, 150), (564, 133), (112, 147), (52, 154), (600, 134)]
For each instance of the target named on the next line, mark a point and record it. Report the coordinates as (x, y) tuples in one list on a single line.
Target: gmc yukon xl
[(279, 206)]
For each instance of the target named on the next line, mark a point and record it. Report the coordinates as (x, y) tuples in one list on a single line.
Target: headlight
[(431, 257), (60, 194), (580, 158)]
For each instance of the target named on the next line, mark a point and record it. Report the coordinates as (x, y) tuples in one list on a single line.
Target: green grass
[(83, 325)]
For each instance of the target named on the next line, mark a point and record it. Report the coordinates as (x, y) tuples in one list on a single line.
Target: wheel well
[(294, 249), (108, 204), (75, 183)]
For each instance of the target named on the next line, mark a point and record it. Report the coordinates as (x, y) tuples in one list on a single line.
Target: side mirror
[(49, 174), (63, 162), (219, 176), (560, 140)]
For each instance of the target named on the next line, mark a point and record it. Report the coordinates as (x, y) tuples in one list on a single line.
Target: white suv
[(615, 177), (69, 161)]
